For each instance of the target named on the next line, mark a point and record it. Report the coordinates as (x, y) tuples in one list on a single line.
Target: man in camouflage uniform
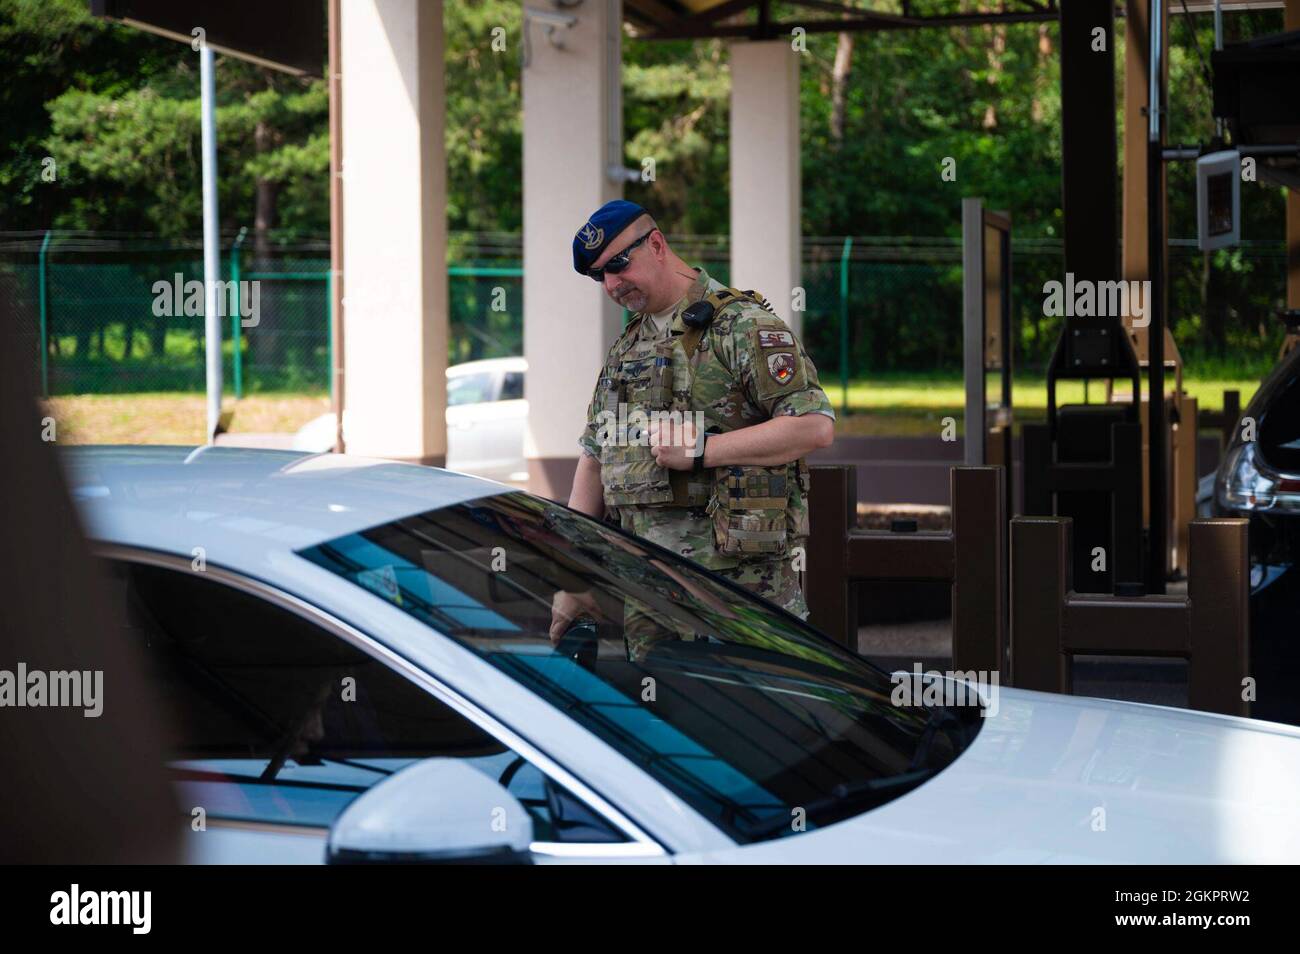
[(695, 357)]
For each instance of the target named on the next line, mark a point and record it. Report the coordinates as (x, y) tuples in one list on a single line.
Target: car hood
[(1063, 779)]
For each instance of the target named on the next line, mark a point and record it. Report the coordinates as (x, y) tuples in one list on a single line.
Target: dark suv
[(1259, 478)]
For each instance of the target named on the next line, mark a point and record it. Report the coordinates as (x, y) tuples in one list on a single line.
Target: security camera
[(551, 21), (552, 18)]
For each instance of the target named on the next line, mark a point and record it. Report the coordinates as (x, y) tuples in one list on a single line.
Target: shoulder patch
[(781, 366), (775, 338)]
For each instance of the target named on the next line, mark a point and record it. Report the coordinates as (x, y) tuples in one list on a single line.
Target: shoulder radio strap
[(699, 315)]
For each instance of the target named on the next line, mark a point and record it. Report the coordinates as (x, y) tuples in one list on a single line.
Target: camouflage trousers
[(689, 533)]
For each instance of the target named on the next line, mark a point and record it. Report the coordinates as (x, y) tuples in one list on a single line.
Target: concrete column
[(569, 323), (395, 235), (765, 173)]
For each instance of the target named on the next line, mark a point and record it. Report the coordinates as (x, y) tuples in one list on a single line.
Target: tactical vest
[(755, 510)]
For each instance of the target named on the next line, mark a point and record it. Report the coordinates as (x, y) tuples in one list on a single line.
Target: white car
[(487, 415), (355, 659)]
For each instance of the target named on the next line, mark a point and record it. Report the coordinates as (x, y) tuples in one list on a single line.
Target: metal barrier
[(1210, 627), (1224, 421), (1105, 484), (971, 556)]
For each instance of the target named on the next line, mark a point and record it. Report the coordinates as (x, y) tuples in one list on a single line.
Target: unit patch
[(781, 367)]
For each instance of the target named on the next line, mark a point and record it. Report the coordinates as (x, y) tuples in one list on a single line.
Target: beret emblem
[(591, 236)]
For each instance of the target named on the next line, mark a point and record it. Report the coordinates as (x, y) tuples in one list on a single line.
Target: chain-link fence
[(485, 290), (124, 314)]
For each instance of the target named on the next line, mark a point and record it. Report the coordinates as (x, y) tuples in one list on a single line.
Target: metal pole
[(844, 326), (337, 354), (236, 320), (211, 248), (973, 319), (1218, 45), (1157, 543), (329, 305), (44, 343)]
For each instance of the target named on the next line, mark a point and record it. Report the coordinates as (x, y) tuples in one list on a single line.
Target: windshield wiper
[(943, 721), (861, 795)]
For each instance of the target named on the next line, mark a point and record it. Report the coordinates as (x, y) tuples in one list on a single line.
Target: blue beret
[(603, 227)]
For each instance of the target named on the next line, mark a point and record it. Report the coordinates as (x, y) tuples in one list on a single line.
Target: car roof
[(488, 364), (245, 505)]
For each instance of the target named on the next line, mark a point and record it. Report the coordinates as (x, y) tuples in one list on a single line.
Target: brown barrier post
[(1050, 623), (1041, 578), (832, 514), (1218, 588), (971, 557), (979, 581)]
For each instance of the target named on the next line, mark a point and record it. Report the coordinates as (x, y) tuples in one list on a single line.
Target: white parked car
[(360, 669), (487, 415)]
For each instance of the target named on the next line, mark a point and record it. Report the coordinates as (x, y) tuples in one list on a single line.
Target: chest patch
[(781, 367), (775, 339)]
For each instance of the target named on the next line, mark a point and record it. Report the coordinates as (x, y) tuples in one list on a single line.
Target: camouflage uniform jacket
[(748, 368)]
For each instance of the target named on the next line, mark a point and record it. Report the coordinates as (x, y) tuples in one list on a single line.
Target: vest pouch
[(749, 510), (630, 474), (628, 470), (796, 515), (650, 385)]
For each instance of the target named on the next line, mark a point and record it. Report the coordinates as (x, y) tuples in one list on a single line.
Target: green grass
[(106, 368), (915, 405), (168, 418), (919, 392), (896, 405)]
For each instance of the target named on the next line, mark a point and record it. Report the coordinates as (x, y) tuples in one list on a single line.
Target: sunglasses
[(619, 262)]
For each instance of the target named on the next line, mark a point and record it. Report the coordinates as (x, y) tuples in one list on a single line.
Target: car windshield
[(469, 388), (763, 725)]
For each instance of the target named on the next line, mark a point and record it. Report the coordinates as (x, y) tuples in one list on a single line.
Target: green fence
[(84, 306), (118, 314)]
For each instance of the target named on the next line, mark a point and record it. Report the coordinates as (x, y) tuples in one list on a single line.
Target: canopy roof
[(290, 34)]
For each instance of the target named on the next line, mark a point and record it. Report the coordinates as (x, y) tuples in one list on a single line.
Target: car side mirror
[(437, 811)]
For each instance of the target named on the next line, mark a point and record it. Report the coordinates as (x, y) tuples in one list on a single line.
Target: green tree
[(138, 151), (484, 124), (46, 48)]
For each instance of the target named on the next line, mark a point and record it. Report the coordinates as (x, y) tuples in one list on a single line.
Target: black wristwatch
[(699, 458)]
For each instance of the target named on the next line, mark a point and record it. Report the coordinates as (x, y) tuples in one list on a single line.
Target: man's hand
[(673, 444), (567, 608)]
